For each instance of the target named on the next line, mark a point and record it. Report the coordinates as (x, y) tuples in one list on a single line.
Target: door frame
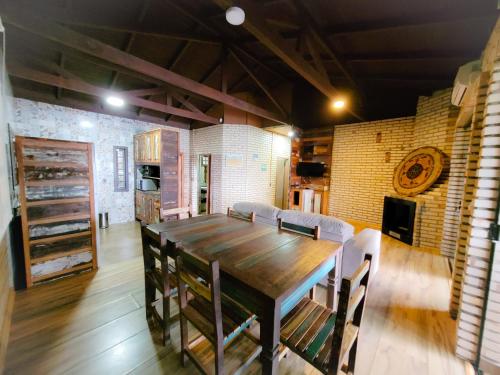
[(208, 205)]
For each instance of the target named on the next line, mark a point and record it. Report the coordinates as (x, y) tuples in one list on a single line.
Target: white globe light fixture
[(235, 16)]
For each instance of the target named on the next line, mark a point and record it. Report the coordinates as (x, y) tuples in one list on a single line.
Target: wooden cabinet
[(147, 206), (160, 149), (148, 147), (56, 191)]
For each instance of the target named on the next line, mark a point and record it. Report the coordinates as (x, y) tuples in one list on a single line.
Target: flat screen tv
[(305, 169)]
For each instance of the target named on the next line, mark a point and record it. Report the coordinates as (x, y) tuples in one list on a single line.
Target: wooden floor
[(95, 323)]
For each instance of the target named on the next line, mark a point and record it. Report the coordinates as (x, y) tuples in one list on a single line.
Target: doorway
[(282, 182), (204, 166)]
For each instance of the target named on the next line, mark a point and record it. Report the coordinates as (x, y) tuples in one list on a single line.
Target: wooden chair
[(219, 319), (325, 338), (311, 232), (248, 216), (158, 275), (306, 231), (175, 213)]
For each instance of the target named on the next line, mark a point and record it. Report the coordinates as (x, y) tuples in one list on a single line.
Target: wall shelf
[(50, 202), (60, 237)]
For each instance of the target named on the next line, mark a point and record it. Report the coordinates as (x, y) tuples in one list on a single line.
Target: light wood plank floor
[(95, 323)]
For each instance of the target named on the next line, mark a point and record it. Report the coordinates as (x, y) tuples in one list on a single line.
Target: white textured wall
[(5, 116), (37, 119), (243, 163)]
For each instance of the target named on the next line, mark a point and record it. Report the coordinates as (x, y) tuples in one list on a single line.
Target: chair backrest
[(311, 232), (203, 281), (350, 310), (248, 216), (179, 213)]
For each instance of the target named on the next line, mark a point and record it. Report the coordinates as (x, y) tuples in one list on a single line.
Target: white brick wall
[(243, 163)]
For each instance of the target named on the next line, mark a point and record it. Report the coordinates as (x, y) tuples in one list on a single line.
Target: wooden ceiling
[(174, 61)]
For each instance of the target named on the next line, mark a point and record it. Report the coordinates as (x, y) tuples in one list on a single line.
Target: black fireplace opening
[(399, 219)]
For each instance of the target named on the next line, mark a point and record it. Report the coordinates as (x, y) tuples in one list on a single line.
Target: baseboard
[(5, 332)]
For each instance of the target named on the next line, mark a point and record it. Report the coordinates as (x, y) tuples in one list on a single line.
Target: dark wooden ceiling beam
[(315, 56), (147, 91), (59, 90), (181, 51), (398, 23), (21, 92), (255, 23), (103, 51), (78, 85), (180, 98), (130, 40), (259, 83), (315, 33)]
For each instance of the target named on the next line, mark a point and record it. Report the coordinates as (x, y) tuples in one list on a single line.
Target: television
[(308, 169)]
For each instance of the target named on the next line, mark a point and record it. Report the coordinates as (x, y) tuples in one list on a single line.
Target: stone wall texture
[(36, 119)]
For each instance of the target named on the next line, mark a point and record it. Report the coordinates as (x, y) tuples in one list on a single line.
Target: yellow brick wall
[(364, 156), (362, 169), (435, 126)]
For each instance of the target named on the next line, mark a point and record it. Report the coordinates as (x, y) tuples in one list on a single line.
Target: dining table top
[(271, 261)]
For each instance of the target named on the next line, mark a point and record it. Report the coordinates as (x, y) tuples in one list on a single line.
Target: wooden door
[(169, 169)]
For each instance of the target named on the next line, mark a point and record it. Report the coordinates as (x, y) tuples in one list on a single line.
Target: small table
[(266, 270)]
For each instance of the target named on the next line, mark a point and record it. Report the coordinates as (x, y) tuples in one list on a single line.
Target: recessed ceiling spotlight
[(291, 133), (235, 16), (115, 101), (338, 103)]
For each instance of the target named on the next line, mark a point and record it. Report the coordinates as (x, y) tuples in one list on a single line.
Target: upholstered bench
[(264, 213), (331, 228), (365, 242)]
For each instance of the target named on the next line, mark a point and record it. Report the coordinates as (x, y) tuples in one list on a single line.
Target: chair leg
[(219, 359), (184, 338), (150, 294), (166, 320), (165, 302), (312, 293), (352, 356)]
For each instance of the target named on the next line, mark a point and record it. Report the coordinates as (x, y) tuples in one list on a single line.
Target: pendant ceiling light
[(235, 16)]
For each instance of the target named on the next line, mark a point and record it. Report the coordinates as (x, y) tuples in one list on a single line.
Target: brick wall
[(458, 163), (362, 169), (435, 126), (467, 200), (364, 156), (207, 141), (243, 163)]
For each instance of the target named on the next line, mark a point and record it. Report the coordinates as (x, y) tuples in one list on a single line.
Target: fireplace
[(399, 219)]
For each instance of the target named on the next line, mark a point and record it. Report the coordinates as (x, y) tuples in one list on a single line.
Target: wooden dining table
[(265, 269)]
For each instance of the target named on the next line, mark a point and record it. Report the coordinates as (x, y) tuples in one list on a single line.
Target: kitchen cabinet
[(148, 147), (158, 149)]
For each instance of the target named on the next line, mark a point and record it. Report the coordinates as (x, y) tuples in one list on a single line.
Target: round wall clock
[(418, 171)]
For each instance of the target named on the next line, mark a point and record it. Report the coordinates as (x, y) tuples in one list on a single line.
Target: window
[(120, 158)]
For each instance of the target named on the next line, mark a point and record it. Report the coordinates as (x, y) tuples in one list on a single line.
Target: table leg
[(270, 338), (332, 289)]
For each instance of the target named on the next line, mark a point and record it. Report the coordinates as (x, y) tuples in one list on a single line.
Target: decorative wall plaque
[(418, 171)]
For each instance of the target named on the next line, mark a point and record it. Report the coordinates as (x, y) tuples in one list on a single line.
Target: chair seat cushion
[(263, 212), (332, 229)]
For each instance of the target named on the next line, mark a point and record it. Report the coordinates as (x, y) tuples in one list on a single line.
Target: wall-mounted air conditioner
[(465, 77)]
